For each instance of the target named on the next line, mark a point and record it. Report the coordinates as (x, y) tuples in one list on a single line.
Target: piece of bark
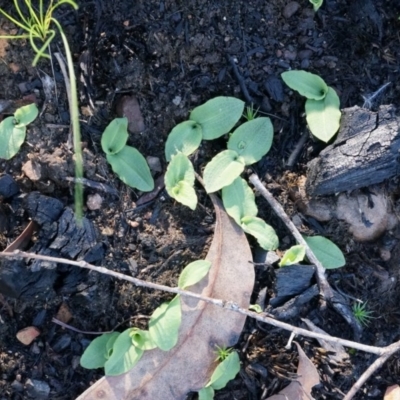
[(63, 237), (293, 307), (291, 281), (365, 152), (8, 187)]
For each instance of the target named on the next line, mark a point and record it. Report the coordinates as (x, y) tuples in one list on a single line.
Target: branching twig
[(326, 290), (229, 305), (383, 352)]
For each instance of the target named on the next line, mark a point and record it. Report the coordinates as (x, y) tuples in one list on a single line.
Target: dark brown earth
[(173, 56)]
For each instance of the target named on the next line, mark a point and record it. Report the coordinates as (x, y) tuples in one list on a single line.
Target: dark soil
[(173, 56)]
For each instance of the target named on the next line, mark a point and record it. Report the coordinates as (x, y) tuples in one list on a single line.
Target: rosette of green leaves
[(13, 130), (126, 161), (209, 121), (322, 104), (239, 203), (247, 145)]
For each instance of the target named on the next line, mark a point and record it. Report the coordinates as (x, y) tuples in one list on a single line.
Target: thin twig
[(383, 352), (369, 371), (229, 305), (64, 325), (326, 291)]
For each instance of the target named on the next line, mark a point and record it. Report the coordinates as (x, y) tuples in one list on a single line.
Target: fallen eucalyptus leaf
[(300, 389), (189, 365)]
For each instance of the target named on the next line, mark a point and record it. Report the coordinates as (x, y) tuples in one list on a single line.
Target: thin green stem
[(75, 126), (13, 20), (21, 15)]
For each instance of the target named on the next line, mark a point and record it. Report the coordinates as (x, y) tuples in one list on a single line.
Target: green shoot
[(362, 314), (37, 26), (222, 353), (250, 113)]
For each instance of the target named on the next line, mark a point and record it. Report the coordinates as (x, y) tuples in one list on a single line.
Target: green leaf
[(307, 84), (207, 393), (225, 371), (256, 308), (264, 233), (110, 343), (179, 180), (115, 136), (124, 355), (25, 115), (185, 137), (218, 116), (11, 138), (142, 339), (193, 273), (293, 256), (323, 116), (164, 324), (96, 354), (316, 4), (328, 254), (132, 168), (252, 140), (239, 200), (222, 170)]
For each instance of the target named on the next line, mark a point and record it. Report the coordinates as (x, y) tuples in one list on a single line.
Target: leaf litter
[(189, 365)]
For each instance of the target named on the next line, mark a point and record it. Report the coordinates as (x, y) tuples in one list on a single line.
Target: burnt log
[(59, 236), (366, 152)]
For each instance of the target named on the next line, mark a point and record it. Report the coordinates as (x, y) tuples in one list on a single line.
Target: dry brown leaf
[(189, 365), (300, 389), (392, 393), (23, 239), (338, 352)]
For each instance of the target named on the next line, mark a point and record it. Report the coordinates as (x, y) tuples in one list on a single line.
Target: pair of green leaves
[(247, 145), (209, 121), (13, 130), (239, 203), (119, 352), (224, 372), (328, 254), (322, 104), (126, 161)]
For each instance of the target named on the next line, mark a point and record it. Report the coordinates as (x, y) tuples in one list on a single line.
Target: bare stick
[(326, 290), (368, 372), (383, 352), (229, 305)]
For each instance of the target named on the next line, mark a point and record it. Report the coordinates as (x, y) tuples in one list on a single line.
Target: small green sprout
[(362, 315), (222, 353), (250, 113)]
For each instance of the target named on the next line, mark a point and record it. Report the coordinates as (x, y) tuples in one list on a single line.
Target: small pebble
[(154, 164), (290, 9), (28, 335), (128, 107), (177, 100), (32, 170), (94, 202), (107, 231), (37, 389)]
